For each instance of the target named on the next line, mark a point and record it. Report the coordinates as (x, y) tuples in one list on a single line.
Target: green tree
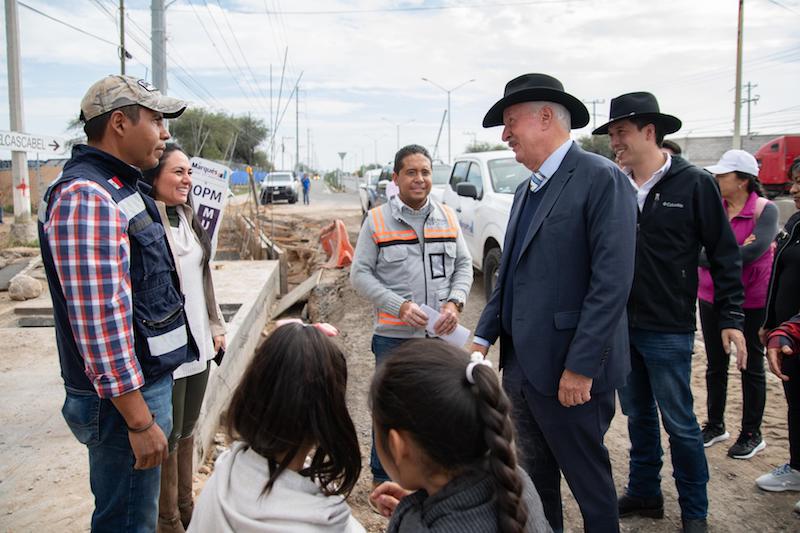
[(597, 144), (210, 135), (483, 146)]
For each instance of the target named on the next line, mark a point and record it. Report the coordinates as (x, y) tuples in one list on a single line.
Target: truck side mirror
[(467, 190)]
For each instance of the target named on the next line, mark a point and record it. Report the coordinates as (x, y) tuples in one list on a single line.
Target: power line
[(68, 25), (490, 5), (239, 46), (227, 47), (787, 8), (227, 66)]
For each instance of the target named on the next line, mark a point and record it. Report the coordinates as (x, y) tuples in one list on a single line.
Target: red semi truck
[(774, 159)]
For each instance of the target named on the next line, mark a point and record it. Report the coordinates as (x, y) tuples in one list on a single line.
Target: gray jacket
[(392, 264), (466, 504)]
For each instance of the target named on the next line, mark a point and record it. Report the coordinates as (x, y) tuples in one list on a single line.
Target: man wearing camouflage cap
[(120, 324)]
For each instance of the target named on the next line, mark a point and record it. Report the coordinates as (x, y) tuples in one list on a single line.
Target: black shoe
[(649, 507), (747, 445), (694, 525), (712, 434)]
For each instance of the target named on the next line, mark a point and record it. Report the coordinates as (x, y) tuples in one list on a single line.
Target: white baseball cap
[(735, 161)]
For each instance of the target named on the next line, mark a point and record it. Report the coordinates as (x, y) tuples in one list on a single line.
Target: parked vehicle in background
[(481, 190), (367, 189), (440, 178), (280, 185), (774, 160)]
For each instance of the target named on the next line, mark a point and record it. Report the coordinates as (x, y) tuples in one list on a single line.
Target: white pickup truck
[(481, 191)]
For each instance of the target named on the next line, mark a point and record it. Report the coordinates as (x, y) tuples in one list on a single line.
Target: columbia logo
[(672, 204)]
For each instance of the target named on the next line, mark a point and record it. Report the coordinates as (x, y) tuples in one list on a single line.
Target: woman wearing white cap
[(754, 221)]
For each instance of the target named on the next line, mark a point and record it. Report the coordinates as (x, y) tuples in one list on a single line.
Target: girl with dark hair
[(289, 403), (442, 430), (171, 183), (754, 221)]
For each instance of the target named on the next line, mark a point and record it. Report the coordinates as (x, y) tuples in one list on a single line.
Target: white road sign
[(26, 142), (209, 194)]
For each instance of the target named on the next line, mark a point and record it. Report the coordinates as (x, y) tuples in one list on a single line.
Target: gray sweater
[(464, 505)]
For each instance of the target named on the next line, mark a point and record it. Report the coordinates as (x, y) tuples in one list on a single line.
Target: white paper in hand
[(458, 338)]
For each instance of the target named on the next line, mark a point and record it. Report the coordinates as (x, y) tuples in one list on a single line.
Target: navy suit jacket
[(572, 278)]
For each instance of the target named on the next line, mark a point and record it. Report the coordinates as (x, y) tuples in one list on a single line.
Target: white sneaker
[(782, 478), (797, 507)]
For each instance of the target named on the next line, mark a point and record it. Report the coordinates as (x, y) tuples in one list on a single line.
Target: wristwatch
[(458, 303)]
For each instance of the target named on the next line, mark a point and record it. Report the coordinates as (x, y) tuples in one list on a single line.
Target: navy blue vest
[(162, 341)]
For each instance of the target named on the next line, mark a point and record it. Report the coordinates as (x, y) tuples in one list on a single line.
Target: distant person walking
[(306, 181), (754, 221)]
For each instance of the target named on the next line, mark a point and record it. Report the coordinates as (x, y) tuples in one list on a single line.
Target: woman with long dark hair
[(754, 221), (171, 181), (783, 303)]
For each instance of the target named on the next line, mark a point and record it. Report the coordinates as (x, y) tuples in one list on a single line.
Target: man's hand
[(413, 315), (386, 497), (149, 447), (732, 335), (774, 358), (574, 389), (448, 319), (479, 348)]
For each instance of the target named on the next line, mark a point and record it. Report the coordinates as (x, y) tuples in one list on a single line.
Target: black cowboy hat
[(641, 104), (536, 88)]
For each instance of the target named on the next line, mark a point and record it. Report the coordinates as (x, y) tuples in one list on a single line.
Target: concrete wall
[(254, 285)]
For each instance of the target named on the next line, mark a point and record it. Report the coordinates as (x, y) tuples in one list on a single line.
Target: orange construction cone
[(337, 245)]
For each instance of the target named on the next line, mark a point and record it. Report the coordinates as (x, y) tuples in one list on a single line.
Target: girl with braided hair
[(443, 433)]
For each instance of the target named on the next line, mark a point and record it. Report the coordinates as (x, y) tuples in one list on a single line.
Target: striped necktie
[(537, 178)]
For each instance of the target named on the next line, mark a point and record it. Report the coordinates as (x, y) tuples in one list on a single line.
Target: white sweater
[(233, 500)]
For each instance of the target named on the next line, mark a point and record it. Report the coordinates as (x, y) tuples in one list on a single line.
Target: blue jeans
[(382, 348), (125, 499), (661, 365)]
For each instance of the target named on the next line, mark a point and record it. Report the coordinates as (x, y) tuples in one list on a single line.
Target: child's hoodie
[(233, 500)]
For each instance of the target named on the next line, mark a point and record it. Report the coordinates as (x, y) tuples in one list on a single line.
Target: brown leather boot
[(185, 453), (169, 519)]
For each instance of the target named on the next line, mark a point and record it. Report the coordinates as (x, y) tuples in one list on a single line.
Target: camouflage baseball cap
[(113, 92)]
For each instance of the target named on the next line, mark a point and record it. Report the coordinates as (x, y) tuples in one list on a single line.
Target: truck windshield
[(278, 178), (507, 174)]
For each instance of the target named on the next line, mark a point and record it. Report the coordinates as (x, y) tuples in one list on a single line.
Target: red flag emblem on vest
[(116, 182)]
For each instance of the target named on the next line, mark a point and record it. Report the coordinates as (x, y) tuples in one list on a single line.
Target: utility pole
[(297, 128), (750, 99), (122, 37), (22, 230), (594, 110), (449, 114), (737, 106), (158, 45)]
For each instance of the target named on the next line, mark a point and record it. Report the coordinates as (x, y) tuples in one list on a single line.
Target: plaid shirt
[(88, 237)]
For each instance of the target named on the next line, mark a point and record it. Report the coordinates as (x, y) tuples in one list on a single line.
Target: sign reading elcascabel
[(209, 194), (26, 142)]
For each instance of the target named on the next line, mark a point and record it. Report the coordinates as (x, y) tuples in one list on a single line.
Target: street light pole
[(397, 125), (449, 114)]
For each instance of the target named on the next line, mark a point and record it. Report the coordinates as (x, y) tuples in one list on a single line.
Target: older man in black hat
[(680, 211), (558, 306)]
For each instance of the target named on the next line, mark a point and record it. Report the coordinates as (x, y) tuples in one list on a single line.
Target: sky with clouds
[(362, 62)]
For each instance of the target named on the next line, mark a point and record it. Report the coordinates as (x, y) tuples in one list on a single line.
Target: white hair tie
[(476, 358)]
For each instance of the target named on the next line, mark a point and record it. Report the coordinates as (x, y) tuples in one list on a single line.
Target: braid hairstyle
[(422, 389)]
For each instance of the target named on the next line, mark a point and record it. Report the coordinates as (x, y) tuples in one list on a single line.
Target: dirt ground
[(735, 503)]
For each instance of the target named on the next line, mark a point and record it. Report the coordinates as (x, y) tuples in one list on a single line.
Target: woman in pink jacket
[(754, 221)]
